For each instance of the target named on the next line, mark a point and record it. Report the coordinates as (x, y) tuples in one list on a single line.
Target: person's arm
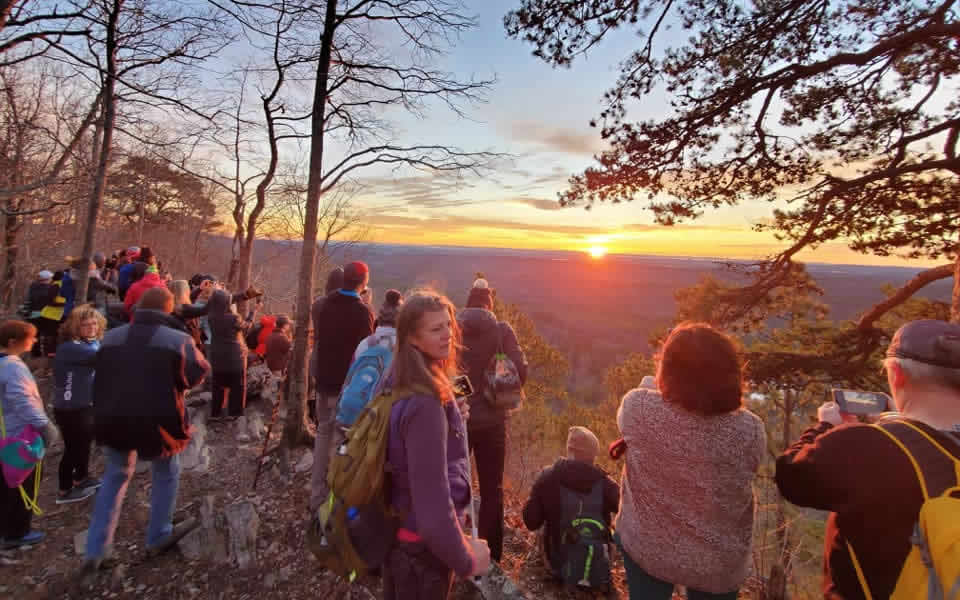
[(827, 465), (195, 367), (511, 347), (533, 516), (192, 311), (424, 429), (100, 285), (24, 397), (611, 497)]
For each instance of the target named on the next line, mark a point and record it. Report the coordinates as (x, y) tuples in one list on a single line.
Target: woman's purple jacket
[(430, 481)]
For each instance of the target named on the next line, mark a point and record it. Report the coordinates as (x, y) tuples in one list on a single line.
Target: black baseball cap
[(928, 341)]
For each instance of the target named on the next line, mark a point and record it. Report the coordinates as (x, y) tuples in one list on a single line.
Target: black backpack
[(582, 556)]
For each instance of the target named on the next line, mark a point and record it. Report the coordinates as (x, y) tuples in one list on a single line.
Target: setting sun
[(597, 251)]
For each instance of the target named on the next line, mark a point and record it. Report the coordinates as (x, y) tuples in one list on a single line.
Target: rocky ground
[(251, 543)]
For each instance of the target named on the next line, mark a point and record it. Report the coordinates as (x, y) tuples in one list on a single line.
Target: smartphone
[(462, 388), (860, 403)]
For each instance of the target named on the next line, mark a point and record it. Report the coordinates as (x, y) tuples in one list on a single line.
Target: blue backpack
[(364, 379)]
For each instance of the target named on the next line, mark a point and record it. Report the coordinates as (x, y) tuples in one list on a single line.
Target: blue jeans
[(644, 586), (106, 509)]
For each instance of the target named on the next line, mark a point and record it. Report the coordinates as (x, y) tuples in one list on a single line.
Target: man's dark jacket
[(481, 335), (545, 508), (143, 372), (339, 326)]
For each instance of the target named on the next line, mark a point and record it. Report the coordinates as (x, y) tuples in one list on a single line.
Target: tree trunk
[(955, 301), (106, 143), (779, 573), (11, 227), (296, 430)]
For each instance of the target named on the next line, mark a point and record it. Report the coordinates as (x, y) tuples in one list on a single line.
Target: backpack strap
[(933, 482)]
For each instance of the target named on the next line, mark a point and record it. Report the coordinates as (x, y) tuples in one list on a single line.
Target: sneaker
[(34, 537), (89, 483), (77, 494), (179, 530)]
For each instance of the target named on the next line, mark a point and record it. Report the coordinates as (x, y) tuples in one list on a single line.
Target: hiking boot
[(89, 483), (76, 494), (179, 530), (88, 572), (34, 537)]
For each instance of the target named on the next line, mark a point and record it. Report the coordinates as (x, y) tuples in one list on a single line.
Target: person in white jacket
[(385, 332)]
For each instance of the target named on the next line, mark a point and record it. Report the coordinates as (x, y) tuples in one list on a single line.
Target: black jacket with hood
[(481, 333), (544, 508), (228, 349), (143, 372)]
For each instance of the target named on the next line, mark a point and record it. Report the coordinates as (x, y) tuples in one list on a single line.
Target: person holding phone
[(862, 473), (428, 458)]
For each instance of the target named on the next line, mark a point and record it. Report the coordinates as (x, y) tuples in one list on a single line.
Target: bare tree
[(356, 77), (141, 63)]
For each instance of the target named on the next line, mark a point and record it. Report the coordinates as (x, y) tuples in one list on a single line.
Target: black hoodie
[(228, 350), (544, 507)]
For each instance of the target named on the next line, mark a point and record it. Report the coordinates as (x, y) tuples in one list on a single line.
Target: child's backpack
[(354, 530), (582, 556), (364, 379), (932, 569), (504, 388)]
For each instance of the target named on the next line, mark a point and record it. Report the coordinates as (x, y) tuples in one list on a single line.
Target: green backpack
[(353, 532)]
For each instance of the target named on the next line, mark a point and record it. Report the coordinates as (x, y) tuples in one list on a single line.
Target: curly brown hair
[(700, 370), (70, 330)]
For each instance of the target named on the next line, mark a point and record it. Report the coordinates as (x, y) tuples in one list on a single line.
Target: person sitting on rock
[(575, 477), (152, 362)]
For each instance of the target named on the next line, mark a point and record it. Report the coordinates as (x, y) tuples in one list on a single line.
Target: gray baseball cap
[(928, 341)]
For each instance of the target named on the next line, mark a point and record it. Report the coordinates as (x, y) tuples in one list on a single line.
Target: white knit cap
[(44, 275), (481, 283)]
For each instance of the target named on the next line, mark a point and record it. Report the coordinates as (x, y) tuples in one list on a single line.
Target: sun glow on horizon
[(597, 251)]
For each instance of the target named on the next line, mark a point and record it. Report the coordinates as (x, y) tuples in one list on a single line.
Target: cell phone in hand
[(462, 388), (854, 402)]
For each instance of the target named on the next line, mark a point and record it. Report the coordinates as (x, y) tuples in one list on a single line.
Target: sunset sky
[(541, 115)]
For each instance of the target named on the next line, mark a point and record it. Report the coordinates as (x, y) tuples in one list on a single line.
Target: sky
[(540, 116)]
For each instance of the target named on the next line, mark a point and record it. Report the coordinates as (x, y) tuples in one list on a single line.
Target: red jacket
[(149, 280), (267, 324)]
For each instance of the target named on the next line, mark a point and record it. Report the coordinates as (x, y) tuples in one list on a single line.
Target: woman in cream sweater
[(692, 454)]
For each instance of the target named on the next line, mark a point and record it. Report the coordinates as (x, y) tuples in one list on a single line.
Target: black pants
[(230, 392), (47, 330), (413, 573), (489, 446), (76, 426), (15, 517)]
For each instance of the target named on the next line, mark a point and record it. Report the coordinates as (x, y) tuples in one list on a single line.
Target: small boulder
[(305, 463)]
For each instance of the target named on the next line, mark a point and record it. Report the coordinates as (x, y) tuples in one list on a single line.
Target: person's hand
[(50, 435), (481, 556), (829, 412), (464, 407)]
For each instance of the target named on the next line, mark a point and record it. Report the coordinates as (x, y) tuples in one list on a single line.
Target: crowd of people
[(682, 514)]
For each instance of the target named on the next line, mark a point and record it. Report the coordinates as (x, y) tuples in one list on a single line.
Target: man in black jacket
[(341, 323), (143, 372), (483, 337), (575, 474)]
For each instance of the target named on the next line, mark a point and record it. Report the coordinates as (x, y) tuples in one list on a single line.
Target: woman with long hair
[(686, 515), (73, 374), (427, 453), (186, 313)]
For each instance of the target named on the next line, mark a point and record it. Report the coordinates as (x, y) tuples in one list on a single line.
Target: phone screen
[(462, 387), (860, 403)]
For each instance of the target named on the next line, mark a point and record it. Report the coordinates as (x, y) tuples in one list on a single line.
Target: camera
[(860, 403), (462, 388)]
